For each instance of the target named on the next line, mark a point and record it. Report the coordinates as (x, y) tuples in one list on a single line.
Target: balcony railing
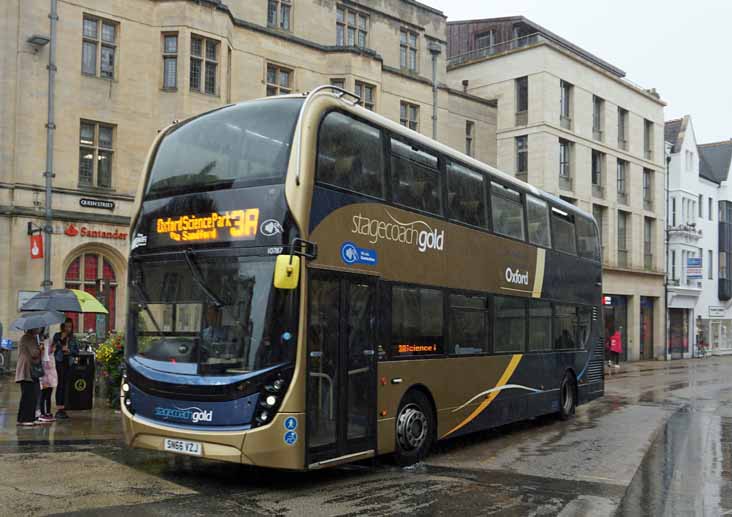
[(565, 122), (622, 258), (499, 48), (522, 118), (598, 191), (623, 144), (565, 182), (622, 198)]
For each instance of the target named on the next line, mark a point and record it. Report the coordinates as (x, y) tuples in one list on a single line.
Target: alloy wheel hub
[(412, 428)]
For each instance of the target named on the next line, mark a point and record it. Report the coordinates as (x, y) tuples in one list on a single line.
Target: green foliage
[(110, 359)]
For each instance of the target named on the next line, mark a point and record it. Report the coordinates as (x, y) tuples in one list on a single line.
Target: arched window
[(93, 273)]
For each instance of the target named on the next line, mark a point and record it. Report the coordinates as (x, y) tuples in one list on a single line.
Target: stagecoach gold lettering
[(396, 231), (242, 224)]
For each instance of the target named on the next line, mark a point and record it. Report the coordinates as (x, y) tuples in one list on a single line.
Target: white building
[(700, 204)]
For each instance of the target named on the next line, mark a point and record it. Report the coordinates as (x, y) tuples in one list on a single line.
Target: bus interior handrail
[(342, 92)]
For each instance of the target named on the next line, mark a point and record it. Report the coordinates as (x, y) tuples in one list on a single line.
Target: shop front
[(647, 306), (678, 332), (715, 331), (615, 309), (89, 256)]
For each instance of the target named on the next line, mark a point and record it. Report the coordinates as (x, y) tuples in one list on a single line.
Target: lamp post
[(50, 129)]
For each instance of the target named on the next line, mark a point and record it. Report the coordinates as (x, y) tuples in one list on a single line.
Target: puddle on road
[(687, 469)]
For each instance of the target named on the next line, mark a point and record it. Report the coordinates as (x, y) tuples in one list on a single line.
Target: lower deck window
[(416, 321), (468, 325), (540, 326), (510, 324)]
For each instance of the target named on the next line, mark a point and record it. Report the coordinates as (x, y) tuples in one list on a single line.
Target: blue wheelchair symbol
[(290, 437), (291, 423), (349, 253)]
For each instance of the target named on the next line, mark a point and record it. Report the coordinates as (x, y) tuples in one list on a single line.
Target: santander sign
[(83, 231)]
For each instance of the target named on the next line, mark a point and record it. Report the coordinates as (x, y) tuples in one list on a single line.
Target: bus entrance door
[(341, 389)]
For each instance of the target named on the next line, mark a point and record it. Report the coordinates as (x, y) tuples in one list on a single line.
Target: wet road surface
[(658, 443)]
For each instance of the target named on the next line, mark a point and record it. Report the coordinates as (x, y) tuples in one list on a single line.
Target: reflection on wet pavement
[(658, 443)]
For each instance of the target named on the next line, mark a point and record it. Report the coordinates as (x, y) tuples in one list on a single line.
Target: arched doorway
[(93, 272)]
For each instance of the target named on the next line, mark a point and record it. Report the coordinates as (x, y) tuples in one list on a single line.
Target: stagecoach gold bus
[(312, 284)]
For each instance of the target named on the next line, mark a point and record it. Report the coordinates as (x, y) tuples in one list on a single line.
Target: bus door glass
[(341, 366)]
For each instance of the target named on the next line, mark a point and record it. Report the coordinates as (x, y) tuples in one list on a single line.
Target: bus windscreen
[(243, 145)]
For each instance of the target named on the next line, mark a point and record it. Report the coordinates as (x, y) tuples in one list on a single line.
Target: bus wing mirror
[(287, 271)]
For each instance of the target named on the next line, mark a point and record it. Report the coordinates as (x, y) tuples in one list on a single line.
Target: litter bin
[(80, 387)]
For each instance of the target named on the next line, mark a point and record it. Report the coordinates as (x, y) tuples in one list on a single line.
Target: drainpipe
[(435, 49), (50, 128), (665, 283)]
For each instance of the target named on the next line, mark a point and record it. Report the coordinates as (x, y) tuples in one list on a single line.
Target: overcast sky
[(680, 48)]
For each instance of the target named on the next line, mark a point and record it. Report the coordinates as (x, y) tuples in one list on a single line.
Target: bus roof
[(419, 138)]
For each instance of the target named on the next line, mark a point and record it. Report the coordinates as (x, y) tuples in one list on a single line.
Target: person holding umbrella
[(66, 300), (66, 347), (28, 369)]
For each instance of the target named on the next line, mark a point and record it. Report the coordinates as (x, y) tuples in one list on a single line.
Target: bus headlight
[(270, 398), (125, 387)]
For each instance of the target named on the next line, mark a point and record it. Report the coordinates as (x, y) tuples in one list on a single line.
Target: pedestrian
[(48, 382), (66, 348), (28, 371), (616, 348)]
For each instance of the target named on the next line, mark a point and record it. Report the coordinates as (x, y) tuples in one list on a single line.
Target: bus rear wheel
[(567, 397), (415, 428)]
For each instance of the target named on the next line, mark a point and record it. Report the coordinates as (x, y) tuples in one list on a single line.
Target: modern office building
[(572, 124), (127, 69)]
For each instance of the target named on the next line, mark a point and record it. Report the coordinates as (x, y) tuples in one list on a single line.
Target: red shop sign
[(36, 246), (72, 231)]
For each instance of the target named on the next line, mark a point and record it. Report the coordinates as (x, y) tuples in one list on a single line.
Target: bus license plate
[(183, 447)]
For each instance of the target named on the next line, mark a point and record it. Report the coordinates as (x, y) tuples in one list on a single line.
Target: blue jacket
[(73, 347)]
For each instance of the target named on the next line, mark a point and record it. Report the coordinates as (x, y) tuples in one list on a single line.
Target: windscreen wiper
[(143, 304), (198, 277)]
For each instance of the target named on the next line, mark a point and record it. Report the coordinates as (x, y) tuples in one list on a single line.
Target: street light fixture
[(38, 41)]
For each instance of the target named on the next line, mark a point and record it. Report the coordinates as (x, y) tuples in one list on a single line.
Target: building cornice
[(96, 193), (548, 43), (66, 215)]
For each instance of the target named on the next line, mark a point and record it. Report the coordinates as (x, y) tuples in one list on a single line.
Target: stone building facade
[(571, 124), (127, 69)]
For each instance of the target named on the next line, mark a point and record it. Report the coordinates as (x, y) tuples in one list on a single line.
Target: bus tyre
[(415, 428), (567, 397)]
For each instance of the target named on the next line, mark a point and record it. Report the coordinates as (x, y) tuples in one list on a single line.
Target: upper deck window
[(538, 216), (416, 177), (242, 145), (565, 238), (466, 195), (588, 242), (508, 211), (350, 155)]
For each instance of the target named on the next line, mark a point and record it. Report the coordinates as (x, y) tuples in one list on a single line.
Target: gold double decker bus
[(312, 284)]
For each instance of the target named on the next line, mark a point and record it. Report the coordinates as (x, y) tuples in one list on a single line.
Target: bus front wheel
[(415, 428), (567, 397)]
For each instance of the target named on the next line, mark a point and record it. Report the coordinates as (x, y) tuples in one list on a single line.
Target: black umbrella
[(36, 320)]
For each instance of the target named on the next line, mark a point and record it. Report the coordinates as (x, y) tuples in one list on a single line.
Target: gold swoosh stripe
[(491, 396), (539, 273)]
